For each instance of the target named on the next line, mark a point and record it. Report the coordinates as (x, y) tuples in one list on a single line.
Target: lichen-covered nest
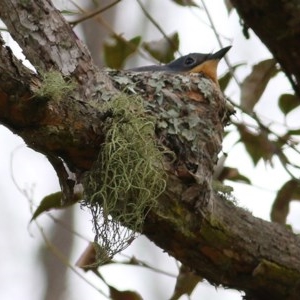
[(177, 119)]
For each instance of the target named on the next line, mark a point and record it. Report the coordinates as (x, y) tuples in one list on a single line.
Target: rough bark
[(276, 23), (221, 242)]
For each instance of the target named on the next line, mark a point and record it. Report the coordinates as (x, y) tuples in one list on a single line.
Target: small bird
[(191, 63), (189, 108)]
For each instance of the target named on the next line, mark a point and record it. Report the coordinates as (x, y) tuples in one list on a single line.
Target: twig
[(132, 261), (253, 115), (219, 41), (110, 29), (66, 227), (93, 13), (52, 248), (159, 28), (65, 261)]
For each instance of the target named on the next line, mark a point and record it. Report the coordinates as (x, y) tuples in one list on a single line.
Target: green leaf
[(118, 49), (52, 201), (288, 192), (185, 2), (123, 295), (233, 174), (294, 132), (255, 83), (288, 102), (229, 6), (257, 145), (69, 12), (186, 282), (225, 79), (163, 50)]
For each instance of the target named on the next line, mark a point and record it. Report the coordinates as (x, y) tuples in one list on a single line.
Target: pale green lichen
[(55, 86), (127, 177), (218, 186)]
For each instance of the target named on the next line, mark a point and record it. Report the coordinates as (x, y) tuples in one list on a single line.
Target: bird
[(205, 63), (188, 107)]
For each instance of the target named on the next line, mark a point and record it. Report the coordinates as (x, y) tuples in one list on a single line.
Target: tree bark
[(204, 230), (276, 23)]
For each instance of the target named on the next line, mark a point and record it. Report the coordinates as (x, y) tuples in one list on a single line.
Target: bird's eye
[(189, 61)]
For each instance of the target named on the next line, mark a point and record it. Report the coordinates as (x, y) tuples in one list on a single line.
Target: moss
[(219, 187), (214, 235), (269, 269), (127, 177), (55, 86)]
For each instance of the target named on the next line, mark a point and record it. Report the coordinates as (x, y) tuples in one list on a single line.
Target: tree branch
[(276, 23), (38, 121), (221, 242), (228, 246)]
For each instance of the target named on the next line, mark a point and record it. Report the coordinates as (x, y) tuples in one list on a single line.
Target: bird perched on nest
[(190, 110)]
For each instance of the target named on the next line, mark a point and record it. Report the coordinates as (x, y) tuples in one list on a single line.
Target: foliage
[(287, 103), (164, 49), (53, 201), (118, 50), (255, 83)]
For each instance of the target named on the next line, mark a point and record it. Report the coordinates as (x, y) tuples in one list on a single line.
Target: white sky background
[(21, 277)]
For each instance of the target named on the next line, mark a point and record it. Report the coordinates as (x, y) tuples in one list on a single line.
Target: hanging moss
[(127, 177)]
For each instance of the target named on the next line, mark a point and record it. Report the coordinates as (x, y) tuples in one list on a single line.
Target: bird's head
[(199, 63), (191, 63)]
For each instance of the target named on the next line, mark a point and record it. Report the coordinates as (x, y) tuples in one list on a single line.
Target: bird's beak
[(221, 53), (209, 67)]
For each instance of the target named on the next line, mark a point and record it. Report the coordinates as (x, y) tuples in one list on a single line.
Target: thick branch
[(276, 23), (228, 246), (223, 243), (49, 45), (38, 121)]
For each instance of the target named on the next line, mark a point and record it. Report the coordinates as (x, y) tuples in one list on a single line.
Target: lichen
[(55, 86), (219, 187), (127, 178)]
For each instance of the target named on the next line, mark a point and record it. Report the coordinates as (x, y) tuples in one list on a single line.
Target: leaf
[(163, 50), (225, 79), (88, 258), (229, 6), (185, 2), (257, 145), (118, 49), (186, 282), (69, 12), (255, 83), (288, 102), (288, 192), (52, 201), (93, 256), (233, 174), (294, 132), (123, 295)]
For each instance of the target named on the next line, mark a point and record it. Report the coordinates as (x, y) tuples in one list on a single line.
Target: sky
[(21, 277)]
